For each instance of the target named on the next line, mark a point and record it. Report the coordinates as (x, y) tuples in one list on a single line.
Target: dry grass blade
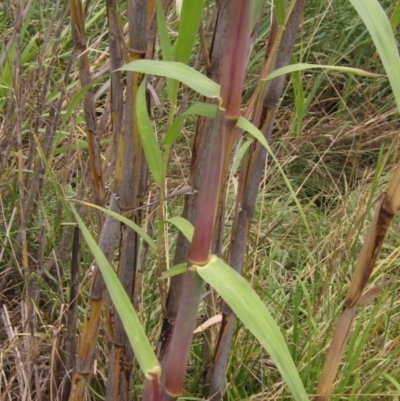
[(372, 294), (23, 380)]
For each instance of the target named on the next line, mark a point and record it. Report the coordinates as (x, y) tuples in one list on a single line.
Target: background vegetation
[(335, 137)]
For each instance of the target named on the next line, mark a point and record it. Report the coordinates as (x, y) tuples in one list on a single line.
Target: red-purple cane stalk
[(232, 79), (223, 137), (208, 197), (236, 55)]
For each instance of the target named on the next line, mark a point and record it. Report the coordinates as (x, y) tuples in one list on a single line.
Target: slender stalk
[(249, 181), (233, 74), (161, 217), (110, 232), (130, 178), (117, 49), (200, 149), (78, 34), (70, 344), (185, 325), (17, 82), (204, 226), (87, 344), (234, 65)]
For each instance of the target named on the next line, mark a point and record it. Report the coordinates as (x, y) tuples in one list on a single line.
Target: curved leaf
[(379, 28), (188, 27), (148, 138), (246, 125), (181, 72), (304, 66), (126, 221), (183, 225), (247, 305), (137, 337), (198, 109)]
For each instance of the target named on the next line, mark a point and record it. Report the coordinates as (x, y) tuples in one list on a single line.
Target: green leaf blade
[(378, 25), (243, 300), (197, 109), (181, 72), (188, 27), (139, 230), (246, 125), (137, 337), (162, 30), (165, 44), (183, 225), (280, 12), (306, 66), (147, 136), (395, 17)]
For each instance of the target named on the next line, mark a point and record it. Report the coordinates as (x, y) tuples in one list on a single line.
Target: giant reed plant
[(227, 127), (201, 265), (223, 137), (218, 131)]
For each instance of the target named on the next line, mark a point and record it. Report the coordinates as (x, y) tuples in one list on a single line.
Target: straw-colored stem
[(85, 77), (87, 342), (366, 261)]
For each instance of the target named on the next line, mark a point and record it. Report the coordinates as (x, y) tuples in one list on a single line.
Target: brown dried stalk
[(366, 261)]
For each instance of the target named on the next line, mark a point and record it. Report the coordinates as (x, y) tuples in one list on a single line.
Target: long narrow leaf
[(241, 151), (378, 25), (185, 226), (305, 66), (137, 337), (395, 17), (165, 44), (197, 109), (181, 72), (246, 125), (257, 10), (51, 177), (139, 230), (188, 27), (243, 300), (147, 136)]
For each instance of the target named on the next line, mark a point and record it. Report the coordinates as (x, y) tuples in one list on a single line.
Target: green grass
[(330, 151)]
